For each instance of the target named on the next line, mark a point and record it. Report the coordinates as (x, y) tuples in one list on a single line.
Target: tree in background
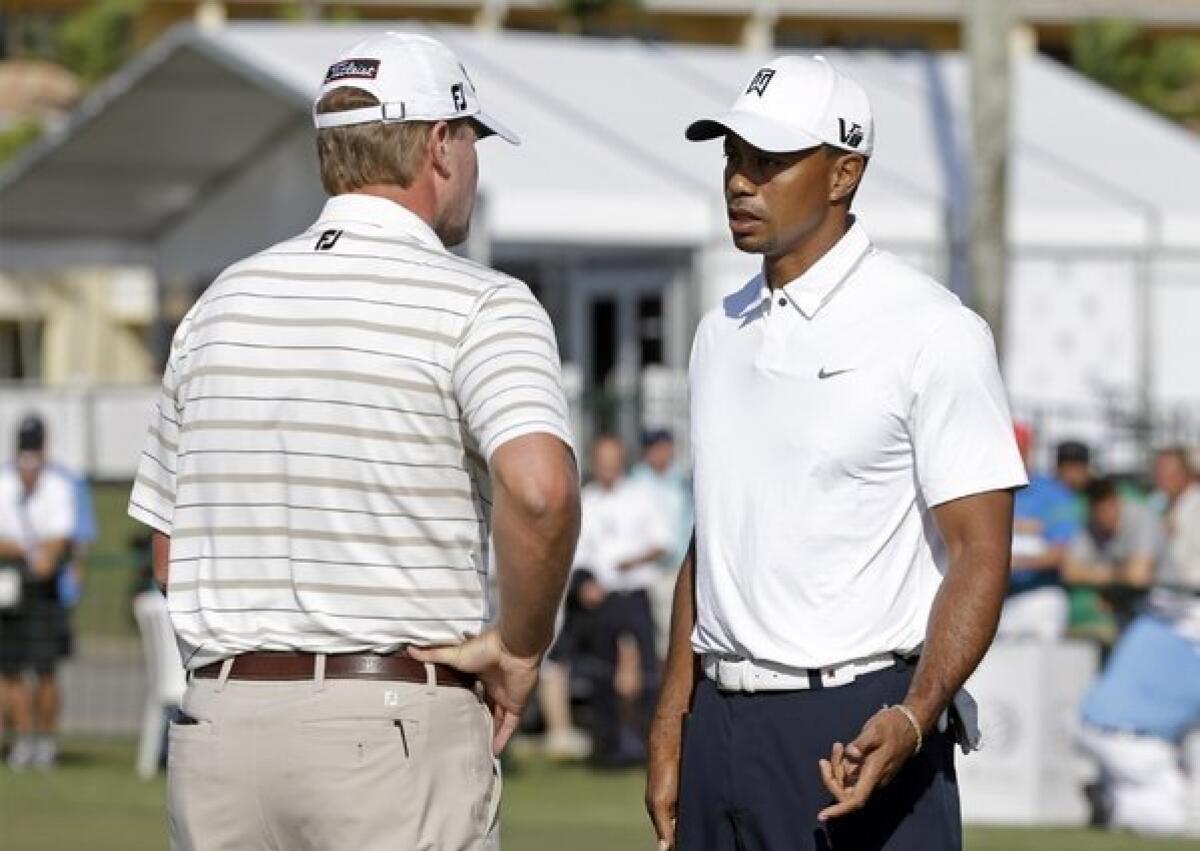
[(90, 43), (98, 39), (1162, 73)]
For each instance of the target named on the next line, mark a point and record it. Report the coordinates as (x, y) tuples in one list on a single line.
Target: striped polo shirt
[(319, 454)]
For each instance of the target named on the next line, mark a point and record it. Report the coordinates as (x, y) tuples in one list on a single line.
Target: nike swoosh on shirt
[(823, 374)]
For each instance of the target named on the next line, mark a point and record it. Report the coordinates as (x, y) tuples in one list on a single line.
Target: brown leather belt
[(266, 665)]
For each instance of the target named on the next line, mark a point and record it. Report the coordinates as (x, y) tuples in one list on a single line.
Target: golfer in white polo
[(854, 464)]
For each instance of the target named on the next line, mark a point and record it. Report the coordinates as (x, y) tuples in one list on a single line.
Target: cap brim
[(764, 133), (493, 127)]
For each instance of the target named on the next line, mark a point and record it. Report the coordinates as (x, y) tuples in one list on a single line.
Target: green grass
[(94, 803)]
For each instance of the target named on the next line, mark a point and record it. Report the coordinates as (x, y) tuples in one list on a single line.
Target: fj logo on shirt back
[(327, 240), (851, 132), (760, 82)]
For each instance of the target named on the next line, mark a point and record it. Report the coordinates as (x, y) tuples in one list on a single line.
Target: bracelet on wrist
[(912, 719)]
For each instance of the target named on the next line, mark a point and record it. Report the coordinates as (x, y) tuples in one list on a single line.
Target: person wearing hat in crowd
[(1045, 524), (345, 419), (659, 471), (1073, 467), (37, 522), (853, 466), (623, 535)]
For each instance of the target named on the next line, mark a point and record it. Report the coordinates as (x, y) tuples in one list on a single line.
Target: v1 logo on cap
[(851, 132), (760, 82), (460, 99)]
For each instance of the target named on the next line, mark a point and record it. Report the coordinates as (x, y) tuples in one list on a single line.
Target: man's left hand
[(508, 680), (852, 773)]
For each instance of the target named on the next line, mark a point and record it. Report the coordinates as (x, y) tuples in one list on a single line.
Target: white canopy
[(201, 150)]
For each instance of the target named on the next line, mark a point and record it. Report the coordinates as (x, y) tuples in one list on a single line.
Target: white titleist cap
[(414, 77), (794, 103)]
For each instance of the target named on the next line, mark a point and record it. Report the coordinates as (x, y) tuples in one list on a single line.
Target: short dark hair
[(1100, 490), (652, 436), (31, 434), (1073, 452)]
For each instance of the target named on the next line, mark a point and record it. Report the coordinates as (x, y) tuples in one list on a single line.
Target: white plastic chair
[(165, 676)]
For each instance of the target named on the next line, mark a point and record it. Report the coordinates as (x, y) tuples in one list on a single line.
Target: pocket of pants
[(189, 742), (360, 743)]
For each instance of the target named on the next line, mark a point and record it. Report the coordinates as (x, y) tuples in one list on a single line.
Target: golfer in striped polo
[(344, 419)]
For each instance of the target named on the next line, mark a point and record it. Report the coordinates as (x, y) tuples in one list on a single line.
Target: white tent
[(201, 151)]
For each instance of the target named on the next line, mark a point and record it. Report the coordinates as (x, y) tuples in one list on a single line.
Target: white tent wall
[(207, 143), (1176, 334)]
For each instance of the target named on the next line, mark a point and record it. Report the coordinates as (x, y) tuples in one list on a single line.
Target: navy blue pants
[(751, 780)]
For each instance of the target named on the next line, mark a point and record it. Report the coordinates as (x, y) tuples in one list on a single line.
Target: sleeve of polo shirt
[(507, 374), (153, 498), (961, 428)]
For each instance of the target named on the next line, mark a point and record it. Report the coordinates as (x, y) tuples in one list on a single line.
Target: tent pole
[(987, 30)]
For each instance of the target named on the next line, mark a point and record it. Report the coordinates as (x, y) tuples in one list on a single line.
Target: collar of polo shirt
[(356, 211), (813, 290)]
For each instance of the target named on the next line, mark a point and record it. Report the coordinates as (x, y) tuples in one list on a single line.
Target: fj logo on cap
[(851, 132), (760, 82), (361, 69), (460, 98)]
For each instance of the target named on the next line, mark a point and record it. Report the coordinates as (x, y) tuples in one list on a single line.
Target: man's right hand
[(662, 776), (508, 680)]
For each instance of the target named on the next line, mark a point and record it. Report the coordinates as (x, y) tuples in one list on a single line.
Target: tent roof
[(207, 133)]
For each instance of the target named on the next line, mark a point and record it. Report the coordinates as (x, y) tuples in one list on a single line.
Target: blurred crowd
[(1097, 557), (1107, 559), (635, 529), (47, 524)]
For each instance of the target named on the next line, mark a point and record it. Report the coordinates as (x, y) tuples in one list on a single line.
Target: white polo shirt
[(618, 525), (46, 514), (827, 419), (320, 452)]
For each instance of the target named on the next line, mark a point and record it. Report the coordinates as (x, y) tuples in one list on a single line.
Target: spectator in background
[(673, 492), (1044, 524), (1148, 696), (624, 534), (1073, 466), (37, 522), (1117, 552)]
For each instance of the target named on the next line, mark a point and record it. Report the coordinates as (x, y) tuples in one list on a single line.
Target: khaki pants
[(338, 765)]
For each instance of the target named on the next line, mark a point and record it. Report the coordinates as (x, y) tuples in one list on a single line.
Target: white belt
[(732, 673)]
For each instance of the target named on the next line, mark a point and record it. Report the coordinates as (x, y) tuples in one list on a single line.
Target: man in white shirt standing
[(623, 534), (854, 460), (345, 418), (37, 521)]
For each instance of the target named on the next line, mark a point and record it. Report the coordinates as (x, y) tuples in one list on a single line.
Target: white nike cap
[(794, 103), (414, 78)]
